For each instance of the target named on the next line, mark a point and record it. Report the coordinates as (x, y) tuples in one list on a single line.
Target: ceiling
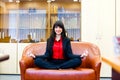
[(40, 0), (20, 0)]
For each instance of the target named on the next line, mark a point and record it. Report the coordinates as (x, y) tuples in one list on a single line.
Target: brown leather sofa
[(89, 70)]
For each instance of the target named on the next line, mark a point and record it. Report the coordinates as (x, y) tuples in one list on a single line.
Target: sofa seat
[(62, 74)]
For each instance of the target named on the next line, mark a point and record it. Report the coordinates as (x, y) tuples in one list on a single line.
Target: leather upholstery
[(89, 70)]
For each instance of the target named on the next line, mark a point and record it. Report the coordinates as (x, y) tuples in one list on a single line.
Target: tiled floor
[(17, 77), (105, 78), (9, 77)]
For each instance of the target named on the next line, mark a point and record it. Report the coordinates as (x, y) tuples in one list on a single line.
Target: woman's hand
[(84, 55), (31, 55)]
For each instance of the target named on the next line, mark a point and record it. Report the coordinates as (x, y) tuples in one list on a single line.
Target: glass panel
[(12, 25), (31, 25), (69, 14), (4, 29), (32, 21)]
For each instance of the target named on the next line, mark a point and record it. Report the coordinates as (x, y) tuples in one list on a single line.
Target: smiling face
[(58, 30)]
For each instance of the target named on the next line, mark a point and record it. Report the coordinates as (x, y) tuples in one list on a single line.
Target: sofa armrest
[(25, 63), (96, 65)]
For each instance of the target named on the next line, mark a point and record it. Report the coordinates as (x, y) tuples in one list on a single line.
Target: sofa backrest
[(78, 48)]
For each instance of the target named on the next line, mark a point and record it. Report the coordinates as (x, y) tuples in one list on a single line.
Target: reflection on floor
[(17, 77)]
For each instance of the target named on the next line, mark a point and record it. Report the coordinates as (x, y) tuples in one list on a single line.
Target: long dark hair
[(61, 25)]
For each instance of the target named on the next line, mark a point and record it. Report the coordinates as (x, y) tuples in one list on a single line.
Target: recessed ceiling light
[(75, 0), (10, 0), (17, 1), (52, 0)]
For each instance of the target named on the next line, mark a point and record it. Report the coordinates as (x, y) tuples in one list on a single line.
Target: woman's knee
[(37, 61), (78, 60)]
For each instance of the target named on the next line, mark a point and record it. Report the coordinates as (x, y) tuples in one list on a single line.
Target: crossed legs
[(72, 63)]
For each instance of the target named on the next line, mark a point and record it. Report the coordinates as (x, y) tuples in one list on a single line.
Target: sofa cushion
[(63, 74)]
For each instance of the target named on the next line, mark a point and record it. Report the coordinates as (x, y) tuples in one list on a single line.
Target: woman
[(58, 53)]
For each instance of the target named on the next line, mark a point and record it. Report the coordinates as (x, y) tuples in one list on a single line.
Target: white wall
[(89, 20), (98, 26), (117, 17), (9, 66)]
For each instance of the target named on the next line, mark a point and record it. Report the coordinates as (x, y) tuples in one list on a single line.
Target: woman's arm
[(46, 54), (70, 53)]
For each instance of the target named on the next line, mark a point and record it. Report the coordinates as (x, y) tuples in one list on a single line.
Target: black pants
[(58, 64)]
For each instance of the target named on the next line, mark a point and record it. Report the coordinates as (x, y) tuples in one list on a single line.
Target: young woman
[(58, 53)]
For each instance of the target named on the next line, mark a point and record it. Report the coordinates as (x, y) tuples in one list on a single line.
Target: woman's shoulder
[(67, 39), (50, 40)]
